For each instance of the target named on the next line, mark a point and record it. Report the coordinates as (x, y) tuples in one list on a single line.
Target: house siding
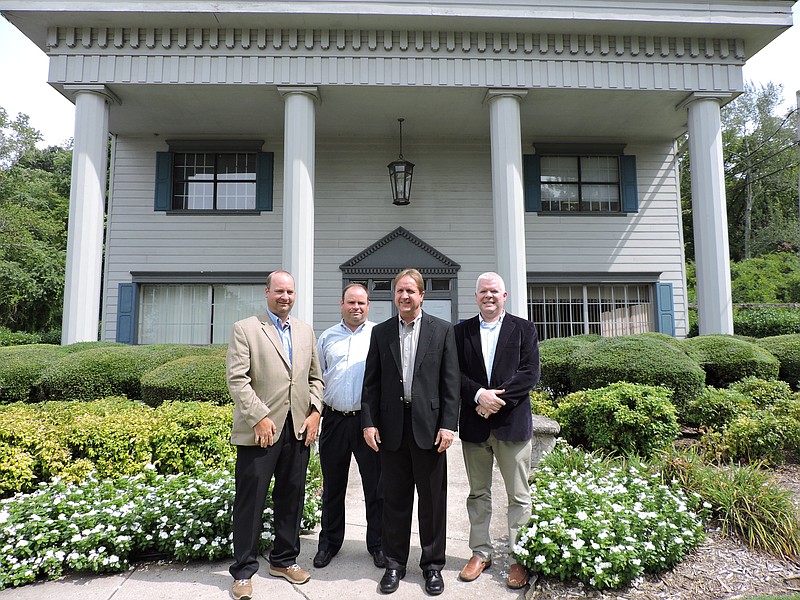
[(451, 209)]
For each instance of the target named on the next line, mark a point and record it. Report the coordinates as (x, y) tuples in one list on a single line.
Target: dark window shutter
[(532, 176), (126, 313), (630, 190), (163, 181), (264, 168), (665, 308)]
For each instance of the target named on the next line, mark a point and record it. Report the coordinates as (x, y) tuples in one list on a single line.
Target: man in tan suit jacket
[(275, 380)]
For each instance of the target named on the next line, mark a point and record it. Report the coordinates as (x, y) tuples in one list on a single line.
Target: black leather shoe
[(434, 584), (378, 559), (322, 559), (391, 580)]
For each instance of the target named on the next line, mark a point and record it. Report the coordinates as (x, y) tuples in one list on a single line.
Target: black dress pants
[(341, 438), (402, 470), (287, 461)]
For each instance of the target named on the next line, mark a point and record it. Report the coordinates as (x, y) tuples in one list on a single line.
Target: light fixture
[(400, 172)]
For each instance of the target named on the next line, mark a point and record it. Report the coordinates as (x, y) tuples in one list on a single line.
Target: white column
[(508, 195), (81, 317), (710, 219), (298, 194)]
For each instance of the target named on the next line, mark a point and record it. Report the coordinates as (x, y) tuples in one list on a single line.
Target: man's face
[(491, 298), (408, 298), (355, 307), (280, 295)]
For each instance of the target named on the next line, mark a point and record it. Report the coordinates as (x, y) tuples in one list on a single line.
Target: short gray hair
[(490, 275)]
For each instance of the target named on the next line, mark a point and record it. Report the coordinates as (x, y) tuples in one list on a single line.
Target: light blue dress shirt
[(342, 356), (489, 334), (284, 332)]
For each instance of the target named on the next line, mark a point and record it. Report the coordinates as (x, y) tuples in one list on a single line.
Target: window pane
[(603, 169), (600, 198), (560, 197), (439, 285), (382, 285), (559, 168), (238, 167), (236, 196), (179, 314), (232, 303)]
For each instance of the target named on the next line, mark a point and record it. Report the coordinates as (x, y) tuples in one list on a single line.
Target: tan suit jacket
[(263, 384)]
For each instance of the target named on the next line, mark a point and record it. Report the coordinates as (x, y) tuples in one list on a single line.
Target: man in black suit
[(409, 412), (498, 355)]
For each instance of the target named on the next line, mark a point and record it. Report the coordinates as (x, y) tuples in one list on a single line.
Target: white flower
[(581, 515), (578, 544), (539, 559)]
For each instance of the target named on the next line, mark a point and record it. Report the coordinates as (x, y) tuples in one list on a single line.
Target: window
[(609, 310), (213, 177), (594, 182), (580, 183), (194, 313), (205, 181), (186, 308)]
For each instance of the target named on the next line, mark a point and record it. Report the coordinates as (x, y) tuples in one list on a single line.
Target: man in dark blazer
[(275, 380), (498, 355), (409, 412)]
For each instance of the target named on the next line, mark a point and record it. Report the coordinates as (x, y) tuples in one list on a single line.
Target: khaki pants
[(513, 461)]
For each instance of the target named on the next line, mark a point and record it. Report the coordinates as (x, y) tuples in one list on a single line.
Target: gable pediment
[(399, 250)]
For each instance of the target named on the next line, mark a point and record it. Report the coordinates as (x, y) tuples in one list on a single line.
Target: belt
[(345, 413)]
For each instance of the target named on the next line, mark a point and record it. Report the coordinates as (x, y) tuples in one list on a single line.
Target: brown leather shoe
[(517, 576), (474, 568), (242, 589), (293, 574)]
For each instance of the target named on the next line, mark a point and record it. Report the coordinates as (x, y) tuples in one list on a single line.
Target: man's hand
[(489, 403), (444, 439), (372, 437), (311, 427), (265, 432)]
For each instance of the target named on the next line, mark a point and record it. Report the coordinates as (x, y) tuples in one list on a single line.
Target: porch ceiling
[(430, 113)]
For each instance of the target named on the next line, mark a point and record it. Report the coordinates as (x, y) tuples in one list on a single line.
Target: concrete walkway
[(350, 575)]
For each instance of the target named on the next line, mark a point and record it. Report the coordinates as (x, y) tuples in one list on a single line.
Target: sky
[(23, 73)]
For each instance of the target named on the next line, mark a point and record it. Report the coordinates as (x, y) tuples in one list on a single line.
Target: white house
[(248, 136)]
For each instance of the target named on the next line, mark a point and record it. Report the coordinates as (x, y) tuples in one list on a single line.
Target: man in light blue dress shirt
[(342, 351)]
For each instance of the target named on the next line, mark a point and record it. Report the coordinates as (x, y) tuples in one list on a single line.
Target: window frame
[(628, 184), (165, 199)]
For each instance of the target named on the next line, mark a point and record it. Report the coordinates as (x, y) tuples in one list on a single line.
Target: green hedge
[(200, 378), (726, 359), (20, 369), (113, 436), (766, 322), (556, 357), (786, 348), (638, 359), (622, 417), (715, 408), (107, 370)]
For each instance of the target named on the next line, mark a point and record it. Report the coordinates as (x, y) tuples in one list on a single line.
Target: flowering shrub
[(605, 523), (101, 525)]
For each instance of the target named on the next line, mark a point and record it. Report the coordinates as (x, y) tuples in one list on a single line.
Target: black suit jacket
[(515, 369), (434, 389)]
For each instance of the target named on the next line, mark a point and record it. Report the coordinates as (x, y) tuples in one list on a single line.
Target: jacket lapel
[(506, 331), (272, 335), (427, 329), (394, 343)]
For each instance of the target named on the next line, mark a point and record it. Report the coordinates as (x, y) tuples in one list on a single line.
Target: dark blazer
[(515, 369), (434, 388)]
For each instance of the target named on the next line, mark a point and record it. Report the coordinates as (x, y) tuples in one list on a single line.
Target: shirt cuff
[(478, 394)]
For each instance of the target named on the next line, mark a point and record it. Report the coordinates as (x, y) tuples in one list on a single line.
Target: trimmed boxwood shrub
[(759, 436), (20, 368), (112, 436), (18, 338), (638, 359), (556, 356), (200, 378), (542, 403), (786, 348), (726, 359), (622, 417), (107, 370), (715, 408)]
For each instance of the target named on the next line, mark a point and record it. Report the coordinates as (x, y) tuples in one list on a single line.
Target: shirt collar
[(277, 322), (345, 328), (493, 324), (416, 320)]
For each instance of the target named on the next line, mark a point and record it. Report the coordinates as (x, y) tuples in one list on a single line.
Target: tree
[(760, 163), (34, 206)]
